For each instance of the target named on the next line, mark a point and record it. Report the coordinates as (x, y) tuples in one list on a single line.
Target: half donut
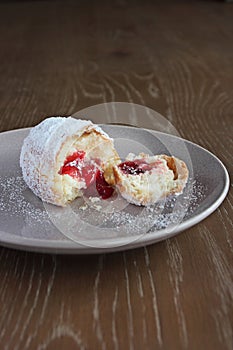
[(145, 179), (62, 156)]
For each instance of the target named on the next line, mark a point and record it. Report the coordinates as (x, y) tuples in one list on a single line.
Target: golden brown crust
[(180, 171), (109, 174)]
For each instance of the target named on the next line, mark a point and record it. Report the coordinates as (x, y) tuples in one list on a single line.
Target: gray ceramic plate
[(28, 224)]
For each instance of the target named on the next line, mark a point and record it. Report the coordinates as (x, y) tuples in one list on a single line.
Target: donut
[(144, 180), (61, 156)]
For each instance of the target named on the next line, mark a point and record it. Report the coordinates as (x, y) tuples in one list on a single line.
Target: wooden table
[(175, 57)]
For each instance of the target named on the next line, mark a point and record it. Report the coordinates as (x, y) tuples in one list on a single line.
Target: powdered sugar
[(131, 220), (22, 213), (29, 218)]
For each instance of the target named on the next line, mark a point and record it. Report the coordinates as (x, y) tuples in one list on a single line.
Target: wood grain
[(174, 57)]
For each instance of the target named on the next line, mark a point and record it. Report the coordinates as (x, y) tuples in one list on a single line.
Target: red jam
[(103, 188), (135, 167), (76, 166), (76, 156), (138, 166)]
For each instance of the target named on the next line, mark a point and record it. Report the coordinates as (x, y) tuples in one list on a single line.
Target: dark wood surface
[(177, 58)]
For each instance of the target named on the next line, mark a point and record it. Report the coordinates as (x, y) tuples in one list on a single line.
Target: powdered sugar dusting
[(133, 220), (22, 213)]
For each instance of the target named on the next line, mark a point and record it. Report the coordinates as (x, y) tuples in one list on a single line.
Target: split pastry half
[(145, 179), (62, 156)]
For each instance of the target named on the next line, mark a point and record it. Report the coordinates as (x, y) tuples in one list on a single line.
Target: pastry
[(62, 156), (145, 179)]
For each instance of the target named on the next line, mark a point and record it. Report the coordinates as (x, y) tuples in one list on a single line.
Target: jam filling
[(138, 166), (103, 188), (135, 167), (78, 167)]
